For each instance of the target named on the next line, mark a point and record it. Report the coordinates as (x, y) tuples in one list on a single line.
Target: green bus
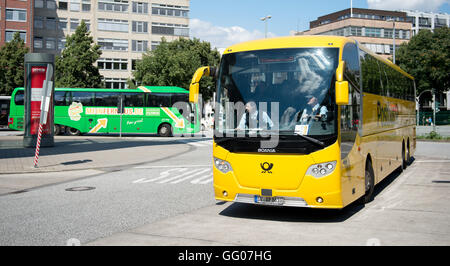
[(147, 109)]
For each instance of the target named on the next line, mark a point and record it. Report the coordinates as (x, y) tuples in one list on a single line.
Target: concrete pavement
[(75, 157), (410, 208), (441, 130)]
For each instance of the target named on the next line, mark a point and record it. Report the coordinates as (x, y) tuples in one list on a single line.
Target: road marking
[(178, 175), (170, 166), (188, 177), (432, 161)]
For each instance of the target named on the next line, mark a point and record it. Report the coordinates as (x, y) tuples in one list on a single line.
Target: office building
[(16, 16), (124, 29), (372, 28), (427, 20)]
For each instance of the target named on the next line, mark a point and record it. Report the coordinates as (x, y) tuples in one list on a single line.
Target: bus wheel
[(369, 184), (73, 131), (165, 130), (404, 162), (57, 130)]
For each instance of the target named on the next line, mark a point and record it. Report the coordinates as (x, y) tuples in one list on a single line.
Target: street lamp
[(393, 37), (265, 19)]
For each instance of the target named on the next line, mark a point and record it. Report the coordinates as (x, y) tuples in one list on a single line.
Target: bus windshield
[(281, 91)]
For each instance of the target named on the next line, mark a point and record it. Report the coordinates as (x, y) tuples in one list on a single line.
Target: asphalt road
[(170, 202)]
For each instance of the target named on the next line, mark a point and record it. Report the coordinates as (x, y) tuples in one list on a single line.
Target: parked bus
[(333, 120), (4, 110), (161, 110)]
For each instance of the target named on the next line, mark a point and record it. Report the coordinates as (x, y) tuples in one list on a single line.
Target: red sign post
[(38, 102)]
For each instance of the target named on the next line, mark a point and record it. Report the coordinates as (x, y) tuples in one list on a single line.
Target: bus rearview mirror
[(342, 93)]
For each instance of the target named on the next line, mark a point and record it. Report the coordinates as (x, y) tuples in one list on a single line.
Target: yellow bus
[(332, 120)]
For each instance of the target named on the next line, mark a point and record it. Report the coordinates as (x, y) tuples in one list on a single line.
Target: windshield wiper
[(312, 140)]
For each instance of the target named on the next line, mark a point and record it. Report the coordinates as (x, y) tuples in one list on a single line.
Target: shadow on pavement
[(304, 215), (14, 149)]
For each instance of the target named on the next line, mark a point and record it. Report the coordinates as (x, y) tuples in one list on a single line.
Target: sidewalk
[(81, 153), (441, 130)]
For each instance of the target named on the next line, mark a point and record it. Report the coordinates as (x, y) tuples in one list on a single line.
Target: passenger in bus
[(251, 116), (313, 112)]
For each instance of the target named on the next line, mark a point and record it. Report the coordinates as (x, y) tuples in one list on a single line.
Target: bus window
[(60, 98), (85, 98), (159, 100), (133, 99), (106, 99), (19, 98)]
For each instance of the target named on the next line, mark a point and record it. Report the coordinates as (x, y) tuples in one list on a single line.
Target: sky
[(228, 22)]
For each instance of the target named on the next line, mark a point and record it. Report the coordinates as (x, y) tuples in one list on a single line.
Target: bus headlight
[(321, 169), (222, 165)]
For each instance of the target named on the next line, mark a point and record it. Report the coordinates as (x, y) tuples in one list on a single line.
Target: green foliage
[(174, 63), (12, 56), (427, 58), (75, 66)]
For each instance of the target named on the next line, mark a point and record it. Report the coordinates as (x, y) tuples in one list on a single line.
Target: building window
[(75, 5), (113, 5), (86, 6), (9, 35), (170, 29), (169, 10), (116, 83), (373, 32), (50, 23), (51, 4), (16, 15), (113, 44), (155, 44), (74, 22), (139, 46), (355, 31), (140, 8), (62, 24), (62, 5), (112, 64), (140, 26), (50, 43), (113, 25), (61, 44), (39, 3), (38, 42), (38, 22)]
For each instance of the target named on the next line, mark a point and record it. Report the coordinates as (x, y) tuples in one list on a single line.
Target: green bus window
[(85, 98), (133, 99), (106, 99), (60, 98), (159, 100), (19, 98)]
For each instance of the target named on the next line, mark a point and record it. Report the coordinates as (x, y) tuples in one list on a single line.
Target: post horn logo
[(266, 167)]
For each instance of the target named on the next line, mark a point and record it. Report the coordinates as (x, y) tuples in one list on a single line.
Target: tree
[(427, 58), (12, 56), (75, 66), (174, 63)]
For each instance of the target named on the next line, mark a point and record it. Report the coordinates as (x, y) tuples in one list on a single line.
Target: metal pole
[(121, 113), (434, 109), (394, 39)]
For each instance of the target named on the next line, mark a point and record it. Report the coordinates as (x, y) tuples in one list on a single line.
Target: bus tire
[(408, 153), (72, 131), (369, 184), (404, 160), (57, 130), (165, 130)]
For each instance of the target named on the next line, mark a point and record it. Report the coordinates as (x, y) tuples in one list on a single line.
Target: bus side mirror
[(194, 87), (342, 93), (341, 85)]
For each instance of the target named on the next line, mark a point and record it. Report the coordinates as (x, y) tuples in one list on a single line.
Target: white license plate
[(269, 200)]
